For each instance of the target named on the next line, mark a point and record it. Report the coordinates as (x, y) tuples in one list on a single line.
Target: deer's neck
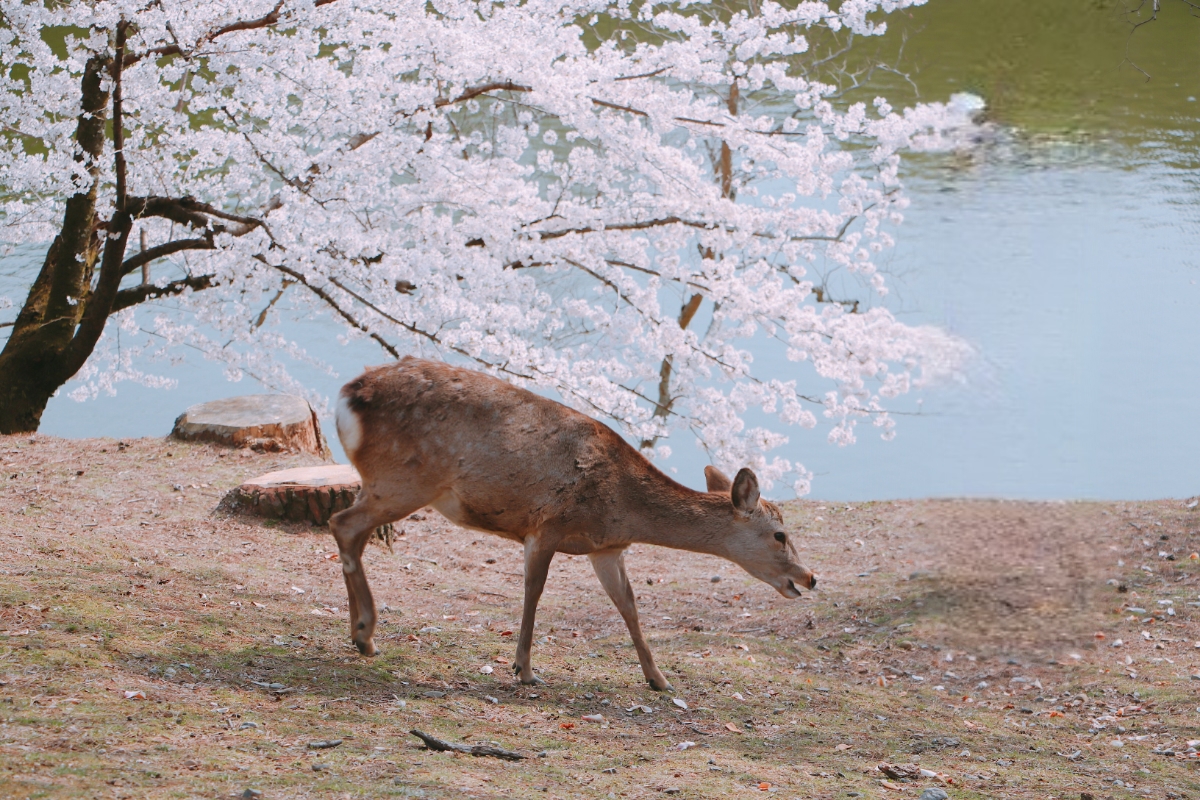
[(675, 516)]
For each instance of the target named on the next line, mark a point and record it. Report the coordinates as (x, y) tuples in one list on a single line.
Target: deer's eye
[(780, 537)]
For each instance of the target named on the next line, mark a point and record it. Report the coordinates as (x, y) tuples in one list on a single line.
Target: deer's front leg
[(610, 569), (352, 530), (537, 565)]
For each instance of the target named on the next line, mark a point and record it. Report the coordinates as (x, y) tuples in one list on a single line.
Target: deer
[(497, 458)]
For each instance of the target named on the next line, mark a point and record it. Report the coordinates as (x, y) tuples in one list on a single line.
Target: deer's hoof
[(534, 680), (366, 647), (660, 685)]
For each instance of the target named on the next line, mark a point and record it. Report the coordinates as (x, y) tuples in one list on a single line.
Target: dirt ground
[(152, 647)]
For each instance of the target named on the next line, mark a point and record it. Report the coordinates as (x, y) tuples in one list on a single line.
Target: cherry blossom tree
[(611, 200)]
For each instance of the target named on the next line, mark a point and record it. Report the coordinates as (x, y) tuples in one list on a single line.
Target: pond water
[(1066, 253)]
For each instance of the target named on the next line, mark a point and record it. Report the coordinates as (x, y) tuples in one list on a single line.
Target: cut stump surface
[(302, 494), (268, 422)]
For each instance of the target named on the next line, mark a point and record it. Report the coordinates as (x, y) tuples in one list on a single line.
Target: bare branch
[(484, 89), (163, 250), (658, 71), (606, 104), (333, 304), (148, 291), (193, 213)]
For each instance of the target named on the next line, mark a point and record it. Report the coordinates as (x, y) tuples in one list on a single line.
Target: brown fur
[(497, 458)]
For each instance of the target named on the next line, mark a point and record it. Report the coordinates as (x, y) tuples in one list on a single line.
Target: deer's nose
[(812, 582)]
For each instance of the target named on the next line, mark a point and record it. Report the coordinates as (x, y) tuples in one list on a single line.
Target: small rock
[(320, 767), (610, 771), (247, 726), (934, 794), (434, 694), (671, 790), (715, 579), (249, 794), (324, 744)]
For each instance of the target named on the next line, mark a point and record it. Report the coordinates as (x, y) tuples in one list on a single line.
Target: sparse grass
[(114, 582)]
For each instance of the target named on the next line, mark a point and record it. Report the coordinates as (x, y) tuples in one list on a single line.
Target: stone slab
[(270, 422)]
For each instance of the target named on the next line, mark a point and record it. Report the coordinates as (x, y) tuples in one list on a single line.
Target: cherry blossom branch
[(265, 21)]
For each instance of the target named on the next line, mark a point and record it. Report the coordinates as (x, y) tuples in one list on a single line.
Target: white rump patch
[(348, 427)]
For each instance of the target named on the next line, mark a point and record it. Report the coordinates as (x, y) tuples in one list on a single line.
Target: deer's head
[(758, 543)]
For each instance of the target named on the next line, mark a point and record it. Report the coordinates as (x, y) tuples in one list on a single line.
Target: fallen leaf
[(680, 702), (486, 669), (297, 590), (729, 726), (566, 726), (764, 786), (842, 746), (684, 745), (506, 633), (500, 660), (890, 785), (137, 695), (593, 718)]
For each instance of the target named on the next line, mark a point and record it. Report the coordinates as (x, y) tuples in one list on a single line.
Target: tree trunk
[(38, 357), (31, 371)]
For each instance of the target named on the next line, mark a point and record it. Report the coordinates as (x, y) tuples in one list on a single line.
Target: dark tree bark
[(32, 364), (70, 301)]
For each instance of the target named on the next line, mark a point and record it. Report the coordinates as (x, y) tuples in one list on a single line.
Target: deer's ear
[(717, 481), (745, 491)]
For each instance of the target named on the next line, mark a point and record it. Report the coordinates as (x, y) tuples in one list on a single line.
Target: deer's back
[(495, 456)]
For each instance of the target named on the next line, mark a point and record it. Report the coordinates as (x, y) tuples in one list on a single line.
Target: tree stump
[(302, 494), (267, 422)]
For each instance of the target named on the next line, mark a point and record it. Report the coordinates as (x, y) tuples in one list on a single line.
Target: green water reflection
[(1068, 67)]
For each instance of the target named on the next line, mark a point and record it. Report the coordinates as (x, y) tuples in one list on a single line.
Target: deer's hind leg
[(352, 530), (610, 569)]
